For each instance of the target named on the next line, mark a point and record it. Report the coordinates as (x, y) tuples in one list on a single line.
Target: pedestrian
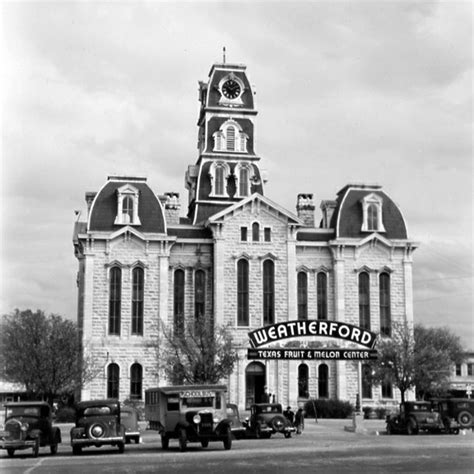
[(289, 415), (299, 421), (266, 397)]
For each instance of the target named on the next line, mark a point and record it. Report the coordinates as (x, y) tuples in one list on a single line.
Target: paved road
[(324, 447)]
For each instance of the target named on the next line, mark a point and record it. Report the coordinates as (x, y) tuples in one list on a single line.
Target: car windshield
[(22, 411), (94, 411), (417, 407), (270, 409), (194, 402)]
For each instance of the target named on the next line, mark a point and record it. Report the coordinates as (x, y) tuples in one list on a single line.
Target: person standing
[(299, 421), (289, 415)]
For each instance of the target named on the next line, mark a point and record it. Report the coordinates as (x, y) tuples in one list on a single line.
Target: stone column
[(219, 277)]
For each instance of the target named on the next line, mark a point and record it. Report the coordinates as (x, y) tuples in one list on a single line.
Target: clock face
[(231, 89)]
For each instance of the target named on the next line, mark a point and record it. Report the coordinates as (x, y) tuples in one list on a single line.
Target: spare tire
[(465, 419), (278, 423)]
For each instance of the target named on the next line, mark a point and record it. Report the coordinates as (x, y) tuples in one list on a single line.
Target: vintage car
[(414, 417), (98, 423), (237, 427), (129, 416), (29, 425), (189, 413), (267, 419), (456, 413)]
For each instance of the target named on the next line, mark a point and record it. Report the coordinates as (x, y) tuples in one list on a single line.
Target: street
[(325, 447)]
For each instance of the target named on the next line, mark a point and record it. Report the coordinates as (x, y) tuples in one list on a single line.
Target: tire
[(183, 440), (76, 450), (165, 441), (278, 423), (412, 428), (465, 419), (101, 426), (288, 435), (228, 440), (36, 448), (204, 443), (11, 452), (121, 447)]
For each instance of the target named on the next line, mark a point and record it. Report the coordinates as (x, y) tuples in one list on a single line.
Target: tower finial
[(223, 54)]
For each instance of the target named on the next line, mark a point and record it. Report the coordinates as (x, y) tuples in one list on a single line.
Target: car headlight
[(197, 419), (25, 427), (216, 419)]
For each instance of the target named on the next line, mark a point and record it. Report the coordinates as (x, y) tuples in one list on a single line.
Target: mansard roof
[(104, 207)]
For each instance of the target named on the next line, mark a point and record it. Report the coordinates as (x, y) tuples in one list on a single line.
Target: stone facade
[(132, 230)]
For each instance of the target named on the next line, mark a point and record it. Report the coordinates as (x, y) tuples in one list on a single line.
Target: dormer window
[(127, 206), (231, 138), (218, 175), (372, 213)]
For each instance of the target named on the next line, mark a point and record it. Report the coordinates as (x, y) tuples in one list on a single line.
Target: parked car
[(456, 413), (413, 417), (189, 413), (237, 428), (29, 425), (129, 417), (267, 419), (98, 423)]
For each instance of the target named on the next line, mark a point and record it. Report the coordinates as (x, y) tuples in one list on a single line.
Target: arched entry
[(255, 377)]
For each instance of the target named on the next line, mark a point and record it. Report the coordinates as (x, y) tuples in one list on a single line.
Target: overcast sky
[(375, 92)]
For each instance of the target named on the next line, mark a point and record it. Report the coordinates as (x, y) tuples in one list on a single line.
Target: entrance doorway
[(255, 377)]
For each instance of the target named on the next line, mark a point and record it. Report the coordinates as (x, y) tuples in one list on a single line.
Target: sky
[(374, 92)]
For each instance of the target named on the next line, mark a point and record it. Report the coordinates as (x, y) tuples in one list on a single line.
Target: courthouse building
[(238, 257)]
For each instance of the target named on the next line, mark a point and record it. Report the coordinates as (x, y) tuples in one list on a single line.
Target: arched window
[(303, 381), (136, 377), (127, 210), (256, 232), (220, 180), (372, 217), (302, 295), (322, 288), (323, 381), (384, 298), (199, 294), (244, 181), (366, 381), (115, 300), (268, 292), (242, 292), (230, 138), (113, 381), (364, 300), (137, 301), (178, 309)]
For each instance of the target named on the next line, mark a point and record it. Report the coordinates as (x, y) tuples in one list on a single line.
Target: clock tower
[(227, 169)]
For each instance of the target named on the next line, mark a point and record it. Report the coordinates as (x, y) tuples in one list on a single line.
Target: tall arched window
[(220, 181), (256, 232), (366, 381), (230, 138), (178, 309), (127, 210), (113, 381), (322, 288), (137, 301), (136, 378), (364, 300), (199, 294), (323, 381), (115, 300), (303, 381), (372, 217), (243, 181), (242, 292), (268, 292), (302, 295), (384, 298)]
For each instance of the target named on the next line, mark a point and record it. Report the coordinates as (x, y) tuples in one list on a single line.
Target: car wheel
[(204, 443), (228, 439), (465, 419), (10, 452), (121, 447), (76, 450), (279, 423), (36, 448), (183, 440), (97, 430), (165, 441), (412, 428), (288, 435), (54, 448)]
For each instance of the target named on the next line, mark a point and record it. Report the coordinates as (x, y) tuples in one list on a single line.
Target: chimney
[(305, 209), (90, 196), (328, 208), (172, 207)]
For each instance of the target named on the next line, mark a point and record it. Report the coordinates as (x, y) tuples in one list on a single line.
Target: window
[(127, 210), (387, 389), (115, 290), (136, 377), (267, 234), (303, 379), (256, 232), (127, 206), (366, 381), (323, 382), (458, 369), (243, 234), (137, 301), (220, 180), (364, 300), (199, 294), (302, 295), (372, 213), (230, 137), (218, 174), (242, 292), (322, 288), (268, 292), (244, 182), (113, 379), (469, 369), (178, 309), (384, 296)]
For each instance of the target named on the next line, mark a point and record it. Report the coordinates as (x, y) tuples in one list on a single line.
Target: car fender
[(223, 427)]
